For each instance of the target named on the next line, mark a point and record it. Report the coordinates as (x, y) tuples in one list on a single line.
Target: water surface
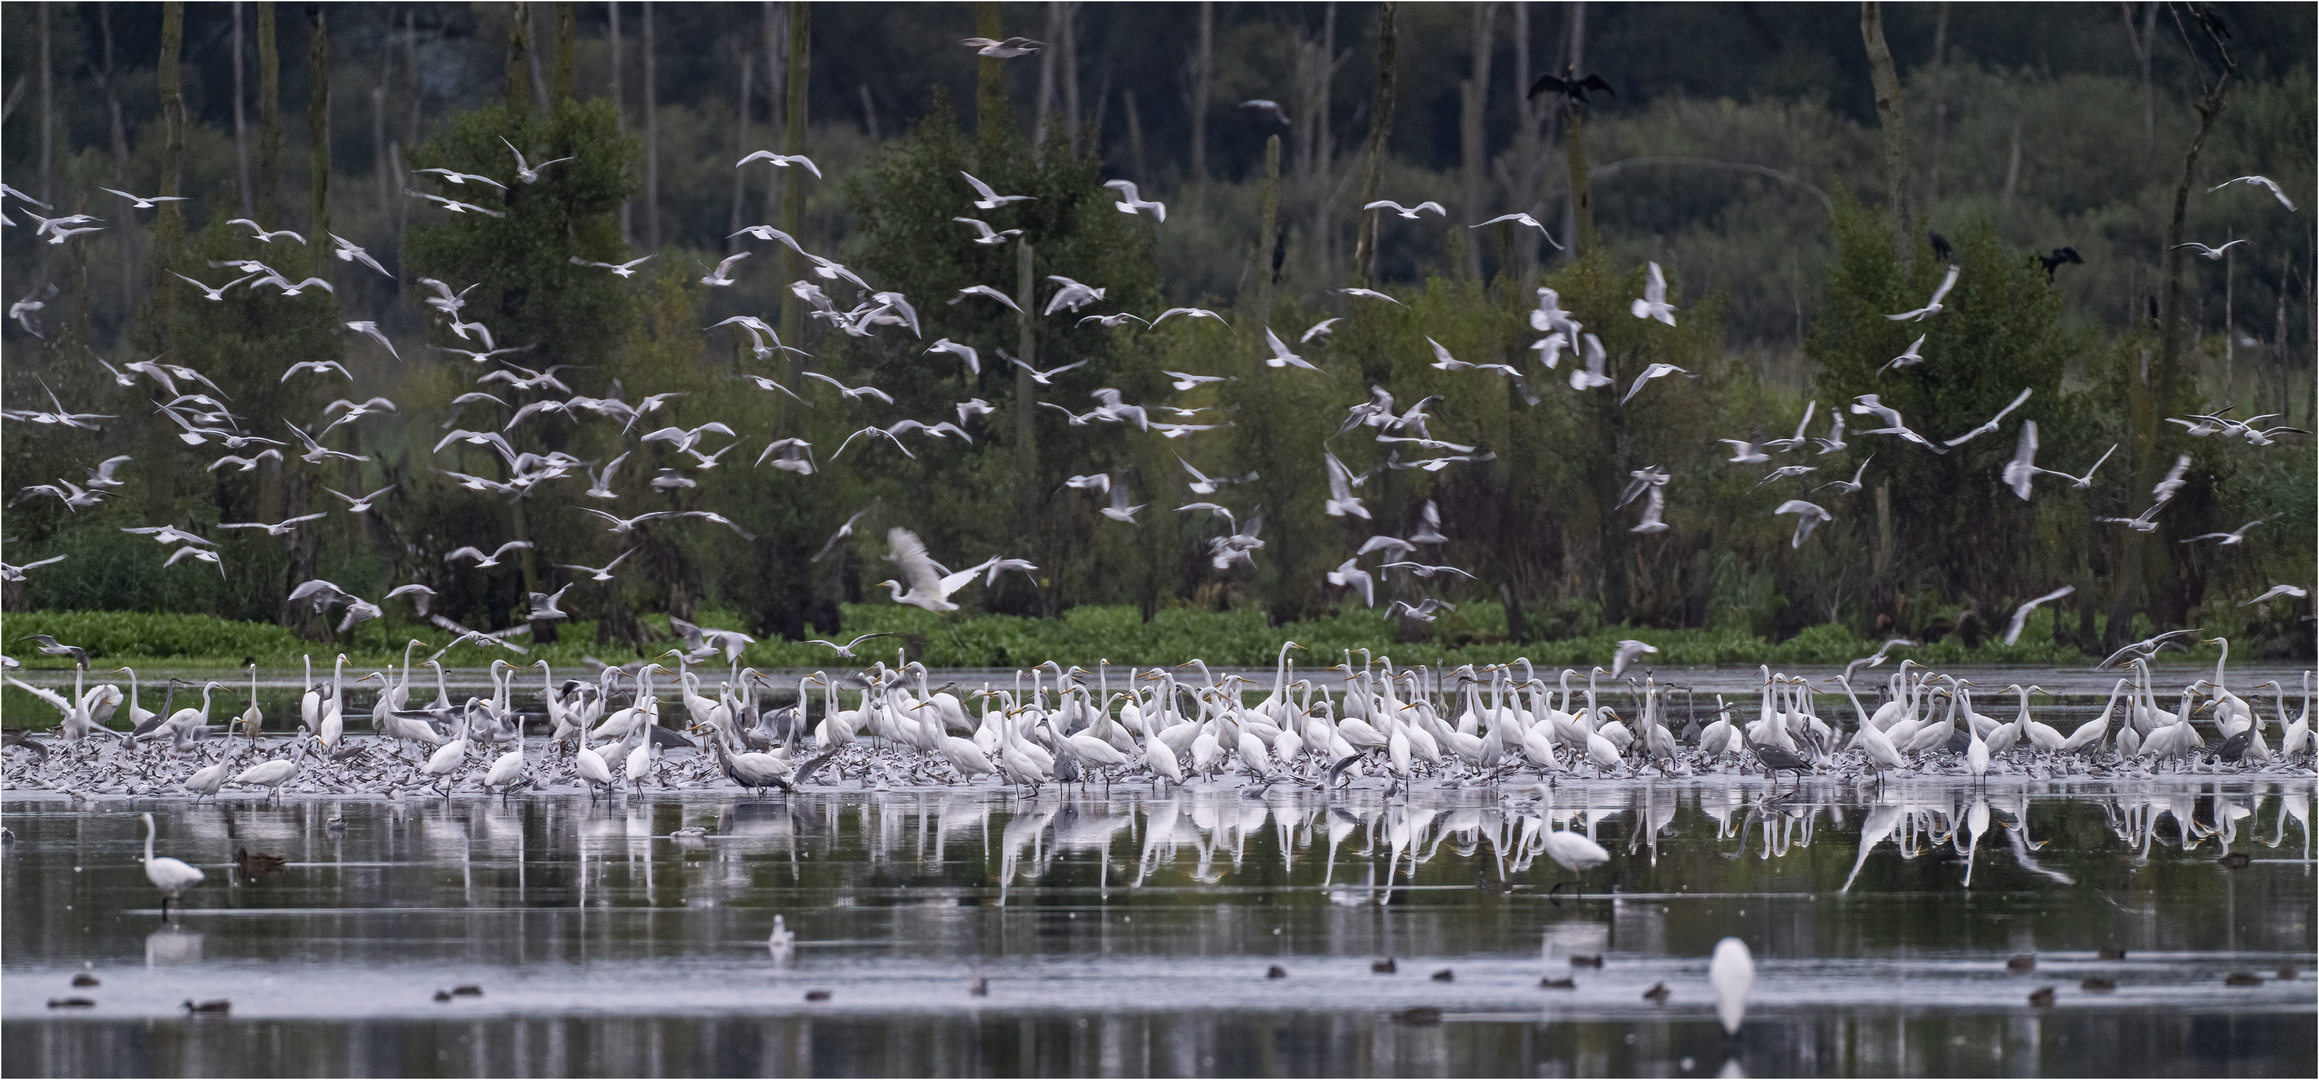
[(1123, 932)]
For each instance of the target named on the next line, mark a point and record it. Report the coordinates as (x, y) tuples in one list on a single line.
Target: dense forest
[(1797, 173)]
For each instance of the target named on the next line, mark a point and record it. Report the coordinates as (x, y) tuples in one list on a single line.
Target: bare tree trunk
[(2147, 556), (418, 89), (1472, 135), (241, 122), (567, 31), (1582, 239), (1072, 118), (1203, 79), (1046, 99), (652, 140), (1135, 158), (619, 101), (269, 118), (378, 139), (47, 111), (2012, 169), (1267, 237), (990, 80), (519, 63), (1939, 117), (1380, 126), (800, 69), (740, 149), (1522, 193), (1573, 59), (1894, 121), (169, 222), (411, 67), (318, 135), (1026, 393), (539, 75), (1324, 224), (776, 92), (120, 138), (2141, 43)]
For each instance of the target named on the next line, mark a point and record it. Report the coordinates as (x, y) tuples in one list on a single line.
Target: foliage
[(1084, 636)]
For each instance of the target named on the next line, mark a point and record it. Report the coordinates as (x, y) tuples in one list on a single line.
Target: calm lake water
[(1121, 932)]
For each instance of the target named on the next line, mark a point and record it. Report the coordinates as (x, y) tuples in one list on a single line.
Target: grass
[(1475, 634)]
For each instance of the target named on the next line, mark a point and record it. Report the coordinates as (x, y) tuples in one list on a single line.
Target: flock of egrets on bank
[(1172, 726)]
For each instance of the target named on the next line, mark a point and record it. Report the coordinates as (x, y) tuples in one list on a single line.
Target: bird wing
[(908, 552), (980, 188), (2025, 450), (1947, 283)]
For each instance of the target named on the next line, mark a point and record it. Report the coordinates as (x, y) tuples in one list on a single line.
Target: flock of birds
[(890, 725), (1410, 724), (1399, 714), (1206, 834), (198, 410)]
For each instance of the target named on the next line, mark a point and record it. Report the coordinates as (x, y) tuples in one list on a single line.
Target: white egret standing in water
[(169, 875), (1731, 973)]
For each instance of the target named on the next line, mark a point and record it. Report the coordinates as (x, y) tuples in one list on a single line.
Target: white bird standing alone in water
[(1731, 973), (169, 875)]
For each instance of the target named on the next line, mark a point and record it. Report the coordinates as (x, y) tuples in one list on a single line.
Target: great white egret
[(171, 876), (1731, 972)]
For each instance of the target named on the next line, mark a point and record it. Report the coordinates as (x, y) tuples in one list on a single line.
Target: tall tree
[(793, 142), (619, 98), (1070, 76), (651, 134), (990, 78), (1938, 117), (775, 18), (107, 76), (269, 118), (740, 148), (1380, 127), (1894, 122), (567, 31), (169, 222), (1203, 85), (2147, 562), (318, 135), (241, 122), (47, 110), (1472, 136), (1046, 98), (519, 74)]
